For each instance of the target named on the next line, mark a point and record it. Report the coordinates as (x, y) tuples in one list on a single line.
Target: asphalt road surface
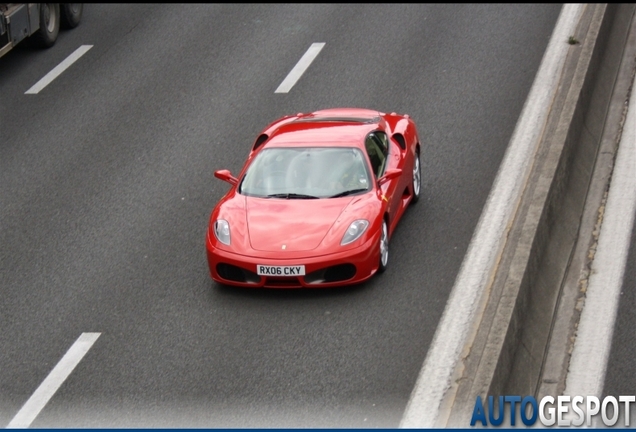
[(106, 187), (620, 378)]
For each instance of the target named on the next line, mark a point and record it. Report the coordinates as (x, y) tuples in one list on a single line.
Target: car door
[(384, 155)]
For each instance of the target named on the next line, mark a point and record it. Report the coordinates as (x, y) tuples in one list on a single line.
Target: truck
[(38, 22)]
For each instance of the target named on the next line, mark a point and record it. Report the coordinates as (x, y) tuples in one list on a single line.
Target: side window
[(384, 140), (377, 148)]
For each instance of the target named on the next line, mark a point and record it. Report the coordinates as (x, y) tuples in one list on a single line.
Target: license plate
[(265, 270)]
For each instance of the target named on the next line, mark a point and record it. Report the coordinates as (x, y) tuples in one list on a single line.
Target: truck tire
[(71, 14), (49, 25)]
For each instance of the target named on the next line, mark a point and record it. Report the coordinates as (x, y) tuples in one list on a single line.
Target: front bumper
[(333, 270)]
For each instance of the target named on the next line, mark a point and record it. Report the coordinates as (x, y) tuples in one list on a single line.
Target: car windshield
[(306, 172)]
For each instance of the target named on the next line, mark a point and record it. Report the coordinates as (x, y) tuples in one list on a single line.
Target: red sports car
[(316, 201)]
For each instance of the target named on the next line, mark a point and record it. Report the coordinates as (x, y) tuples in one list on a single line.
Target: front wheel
[(384, 248)]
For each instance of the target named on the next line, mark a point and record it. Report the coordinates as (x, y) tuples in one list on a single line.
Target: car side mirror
[(225, 175), (389, 175)]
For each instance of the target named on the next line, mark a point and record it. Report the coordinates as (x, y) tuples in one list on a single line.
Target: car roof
[(327, 131)]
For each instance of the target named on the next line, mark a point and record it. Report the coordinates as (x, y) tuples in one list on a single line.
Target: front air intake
[(337, 273)]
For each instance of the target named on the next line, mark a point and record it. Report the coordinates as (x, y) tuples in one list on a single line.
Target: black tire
[(71, 14), (384, 248), (417, 178), (46, 36)]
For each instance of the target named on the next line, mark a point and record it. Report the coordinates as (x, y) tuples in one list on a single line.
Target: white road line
[(53, 381), (433, 384), (588, 365), (300, 68), (46, 80)]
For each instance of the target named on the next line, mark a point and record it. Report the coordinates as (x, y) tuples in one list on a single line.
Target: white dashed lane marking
[(57, 70), (300, 68), (53, 381)]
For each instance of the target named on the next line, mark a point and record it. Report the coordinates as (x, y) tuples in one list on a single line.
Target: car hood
[(290, 224)]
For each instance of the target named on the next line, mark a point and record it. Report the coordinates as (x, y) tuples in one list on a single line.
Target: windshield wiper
[(348, 192), (292, 196)]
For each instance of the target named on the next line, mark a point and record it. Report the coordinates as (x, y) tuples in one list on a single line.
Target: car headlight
[(222, 231), (355, 230)]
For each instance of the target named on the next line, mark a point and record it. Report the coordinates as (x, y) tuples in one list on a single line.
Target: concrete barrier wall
[(574, 143), (509, 348)]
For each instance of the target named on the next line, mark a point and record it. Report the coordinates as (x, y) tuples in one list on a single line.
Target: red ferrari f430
[(317, 201)]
